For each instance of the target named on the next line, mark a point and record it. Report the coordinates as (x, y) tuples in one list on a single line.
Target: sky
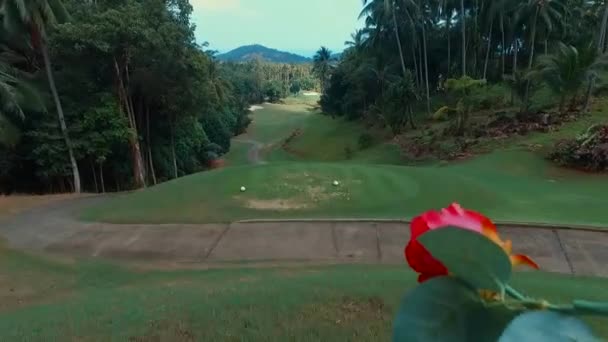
[(297, 26)]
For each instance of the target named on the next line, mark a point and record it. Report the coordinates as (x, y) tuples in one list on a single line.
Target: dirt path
[(54, 228), (253, 155)]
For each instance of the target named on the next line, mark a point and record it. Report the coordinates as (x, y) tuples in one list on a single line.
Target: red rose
[(421, 261)]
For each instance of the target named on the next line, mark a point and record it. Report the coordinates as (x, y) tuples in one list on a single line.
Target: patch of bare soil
[(165, 330), (23, 292), (14, 204), (275, 204), (349, 310), (302, 190)]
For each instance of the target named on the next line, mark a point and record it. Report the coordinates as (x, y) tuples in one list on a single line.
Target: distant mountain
[(250, 52)]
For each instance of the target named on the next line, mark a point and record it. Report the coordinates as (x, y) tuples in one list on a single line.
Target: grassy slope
[(44, 300), (238, 154), (511, 185), (322, 138)]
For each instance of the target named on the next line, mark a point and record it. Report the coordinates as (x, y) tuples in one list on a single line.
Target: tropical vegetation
[(130, 100), (522, 45)]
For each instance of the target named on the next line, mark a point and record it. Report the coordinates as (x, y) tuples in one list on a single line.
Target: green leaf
[(470, 256), (436, 311), (488, 323), (447, 309), (547, 326)]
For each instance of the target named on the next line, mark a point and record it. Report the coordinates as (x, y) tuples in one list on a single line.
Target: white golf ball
[(243, 189), (336, 183)]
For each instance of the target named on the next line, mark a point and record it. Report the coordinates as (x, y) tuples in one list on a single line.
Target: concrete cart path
[(54, 228)]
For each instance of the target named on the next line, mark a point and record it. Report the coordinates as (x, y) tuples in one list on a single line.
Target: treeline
[(408, 49), (265, 81), (110, 95)]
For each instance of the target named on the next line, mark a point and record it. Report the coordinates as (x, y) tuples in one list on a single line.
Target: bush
[(348, 152), (491, 96), (366, 140), (588, 151)]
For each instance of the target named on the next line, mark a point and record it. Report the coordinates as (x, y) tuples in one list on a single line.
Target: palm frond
[(9, 133)]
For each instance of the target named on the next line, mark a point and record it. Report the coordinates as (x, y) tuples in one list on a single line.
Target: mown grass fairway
[(44, 300), (508, 185)]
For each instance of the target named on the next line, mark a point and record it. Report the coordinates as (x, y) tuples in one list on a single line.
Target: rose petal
[(421, 261), (418, 227), (520, 259)]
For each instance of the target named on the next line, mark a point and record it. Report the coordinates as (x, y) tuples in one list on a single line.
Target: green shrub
[(588, 151), (492, 96), (348, 152), (366, 140)]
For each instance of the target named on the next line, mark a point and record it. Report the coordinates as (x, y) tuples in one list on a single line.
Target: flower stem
[(516, 294)]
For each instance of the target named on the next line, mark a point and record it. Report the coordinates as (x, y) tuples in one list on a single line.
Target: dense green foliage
[(436, 40), (142, 101), (252, 52), (257, 80)]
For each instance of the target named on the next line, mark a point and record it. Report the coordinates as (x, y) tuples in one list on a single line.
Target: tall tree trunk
[(533, 39), (94, 175), (562, 103), (546, 46), (397, 36), (515, 53), (410, 114), (448, 19), (60, 115), (149, 146), (602, 34), (475, 40), (601, 42), (413, 49), (420, 65), (464, 38), (426, 70), (127, 105), (138, 164), (415, 43), (503, 48), (101, 180), (485, 65), (174, 157), (531, 60)]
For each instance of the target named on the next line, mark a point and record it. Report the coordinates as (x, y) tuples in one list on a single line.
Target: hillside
[(249, 52)]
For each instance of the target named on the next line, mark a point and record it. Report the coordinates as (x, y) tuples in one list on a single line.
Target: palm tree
[(383, 11), (602, 34), (568, 68), (358, 39), (422, 12), (497, 8), (601, 43), (10, 106), (463, 29), (490, 17), (447, 9), (35, 16), (16, 96), (322, 66), (549, 11)]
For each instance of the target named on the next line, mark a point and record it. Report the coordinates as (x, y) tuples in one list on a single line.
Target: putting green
[(507, 185)]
